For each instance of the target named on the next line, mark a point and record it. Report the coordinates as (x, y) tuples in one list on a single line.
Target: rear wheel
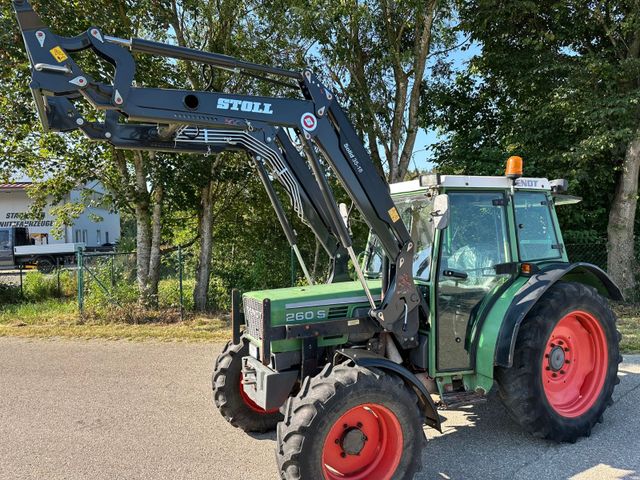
[(45, 264), (351, 423), (229, 395), (565, 364)]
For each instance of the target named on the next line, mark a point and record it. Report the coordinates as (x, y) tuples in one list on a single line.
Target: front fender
[(368, 359), (527, 296)]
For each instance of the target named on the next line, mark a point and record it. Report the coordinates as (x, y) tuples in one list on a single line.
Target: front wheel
[(565, 364), (229, 395), (350, 423)]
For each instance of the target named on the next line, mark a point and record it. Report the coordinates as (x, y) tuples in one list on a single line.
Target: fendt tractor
[(464, 283)]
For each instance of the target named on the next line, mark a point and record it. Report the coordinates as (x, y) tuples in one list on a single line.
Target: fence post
[(20, 268), (80, 278), (113, 274), (58, 274), (180, 282)]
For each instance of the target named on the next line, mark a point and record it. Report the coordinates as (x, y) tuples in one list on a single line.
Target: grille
[(338, 312), (253, 316)]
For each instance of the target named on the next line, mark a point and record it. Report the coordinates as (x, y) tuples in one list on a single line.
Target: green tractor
[(464, 283), (505, 307)]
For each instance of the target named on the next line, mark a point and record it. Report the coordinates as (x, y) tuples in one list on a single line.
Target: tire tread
[(517, 386)]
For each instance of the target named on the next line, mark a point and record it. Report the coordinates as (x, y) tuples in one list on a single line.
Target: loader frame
[(289, 140)]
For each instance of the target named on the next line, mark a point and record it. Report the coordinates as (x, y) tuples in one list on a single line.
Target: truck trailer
[(17, 250)]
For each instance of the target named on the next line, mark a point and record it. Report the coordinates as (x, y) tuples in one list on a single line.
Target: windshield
[(416, 215)]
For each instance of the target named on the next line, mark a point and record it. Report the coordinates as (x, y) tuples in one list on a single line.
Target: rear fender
[(529, 294), (368, 359)]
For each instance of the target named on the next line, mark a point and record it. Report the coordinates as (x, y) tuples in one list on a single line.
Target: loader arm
[(291, 140)]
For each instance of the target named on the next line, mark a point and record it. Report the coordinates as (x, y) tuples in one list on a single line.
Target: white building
[(96, 226)]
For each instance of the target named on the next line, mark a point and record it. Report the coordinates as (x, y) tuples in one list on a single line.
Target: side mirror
[(559, 185), (440, 213)]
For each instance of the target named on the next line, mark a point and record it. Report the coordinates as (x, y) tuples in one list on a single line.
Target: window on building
[(78, 236), (85, 236), (99, 237), (106, 237), (5, 241)]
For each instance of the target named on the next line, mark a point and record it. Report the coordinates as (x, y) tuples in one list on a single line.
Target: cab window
[(537, 238)]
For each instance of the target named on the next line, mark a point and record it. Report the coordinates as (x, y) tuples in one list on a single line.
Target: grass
[(629, 326), (60, 318), (54, 318)]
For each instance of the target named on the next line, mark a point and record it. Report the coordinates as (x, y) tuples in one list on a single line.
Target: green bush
[(169, 293), (121, 293), (219, 297), (38, 286), (9, 294)]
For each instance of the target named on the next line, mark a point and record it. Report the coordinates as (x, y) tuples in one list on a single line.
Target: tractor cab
[(471, 233)]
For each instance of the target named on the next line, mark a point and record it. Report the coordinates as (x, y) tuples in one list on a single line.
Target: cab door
[(474, 242)]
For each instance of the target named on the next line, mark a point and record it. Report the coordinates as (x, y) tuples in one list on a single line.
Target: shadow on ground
[(483, 442)]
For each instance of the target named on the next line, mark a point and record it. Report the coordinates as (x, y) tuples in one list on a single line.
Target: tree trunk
[(421, 51), (620, 246), (205, 231), (156, 240), (143, 233), (316, 260), (404, 125)]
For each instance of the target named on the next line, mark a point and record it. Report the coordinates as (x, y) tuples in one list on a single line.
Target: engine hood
[(315, 302)]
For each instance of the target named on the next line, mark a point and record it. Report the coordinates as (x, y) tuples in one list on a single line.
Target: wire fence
[(594, 253), (106, 282), (24, 283), (109, 279)]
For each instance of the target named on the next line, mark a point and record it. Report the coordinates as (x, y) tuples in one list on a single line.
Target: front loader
[(464, 283)]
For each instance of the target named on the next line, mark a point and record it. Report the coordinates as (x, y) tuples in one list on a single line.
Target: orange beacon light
[(514, 167)]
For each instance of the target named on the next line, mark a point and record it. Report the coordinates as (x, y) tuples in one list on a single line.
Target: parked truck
[(17, 250)]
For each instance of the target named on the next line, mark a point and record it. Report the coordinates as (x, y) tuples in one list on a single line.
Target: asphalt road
[(120, 410)]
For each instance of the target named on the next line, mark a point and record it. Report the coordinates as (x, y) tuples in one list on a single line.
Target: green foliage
[(38, 286), (39, 313), (250, 250), (371, 53), (583, 237), (169, 294), (9, 294), (556, 83)]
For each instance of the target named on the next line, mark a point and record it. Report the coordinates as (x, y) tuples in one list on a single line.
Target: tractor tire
[(229, 396), (565, 364), (351, 422)]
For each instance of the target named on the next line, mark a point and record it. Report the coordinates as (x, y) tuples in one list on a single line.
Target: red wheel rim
[(574, 366), (364, 443), (250, 403)]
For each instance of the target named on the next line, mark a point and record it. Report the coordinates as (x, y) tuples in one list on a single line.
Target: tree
[(227, 27), (152, 187), (376, 55), (556, 82), (63, 162)]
